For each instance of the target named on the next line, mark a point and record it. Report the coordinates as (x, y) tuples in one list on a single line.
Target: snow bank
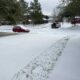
[(66, 25), (6, 28)]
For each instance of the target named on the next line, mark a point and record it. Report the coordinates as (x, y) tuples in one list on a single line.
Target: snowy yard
[(35, 55)]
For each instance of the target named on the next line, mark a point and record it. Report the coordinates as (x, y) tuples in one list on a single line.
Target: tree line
[(16, 11), (69, 8)]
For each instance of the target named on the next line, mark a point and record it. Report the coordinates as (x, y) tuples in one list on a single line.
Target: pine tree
[(72, 8), (35, 12), (10, 11), (24, 6)]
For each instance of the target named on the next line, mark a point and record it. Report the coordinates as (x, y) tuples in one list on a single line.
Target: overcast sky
[(47, 5)]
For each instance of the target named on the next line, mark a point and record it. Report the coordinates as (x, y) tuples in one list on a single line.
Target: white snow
[(68, 66), (24, 50), (42, 65)]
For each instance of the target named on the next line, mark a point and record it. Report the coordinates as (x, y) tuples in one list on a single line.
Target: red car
[(20, 29), (75, 20)]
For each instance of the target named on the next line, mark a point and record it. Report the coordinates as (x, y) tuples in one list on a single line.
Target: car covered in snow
[(20, 28)]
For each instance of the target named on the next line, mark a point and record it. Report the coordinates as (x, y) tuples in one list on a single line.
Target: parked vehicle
[(20, 29), (75, 20), (55, 25)]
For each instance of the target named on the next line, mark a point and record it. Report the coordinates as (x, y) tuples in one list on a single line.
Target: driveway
[(2, 34)]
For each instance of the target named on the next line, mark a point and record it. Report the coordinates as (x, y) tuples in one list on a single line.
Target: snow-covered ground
[(38, 48), (68, 65)]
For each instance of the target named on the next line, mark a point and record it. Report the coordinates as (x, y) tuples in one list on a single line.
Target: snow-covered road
[(19, 50)]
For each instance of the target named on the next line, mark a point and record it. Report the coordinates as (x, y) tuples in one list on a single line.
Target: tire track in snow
[(42, 65)]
